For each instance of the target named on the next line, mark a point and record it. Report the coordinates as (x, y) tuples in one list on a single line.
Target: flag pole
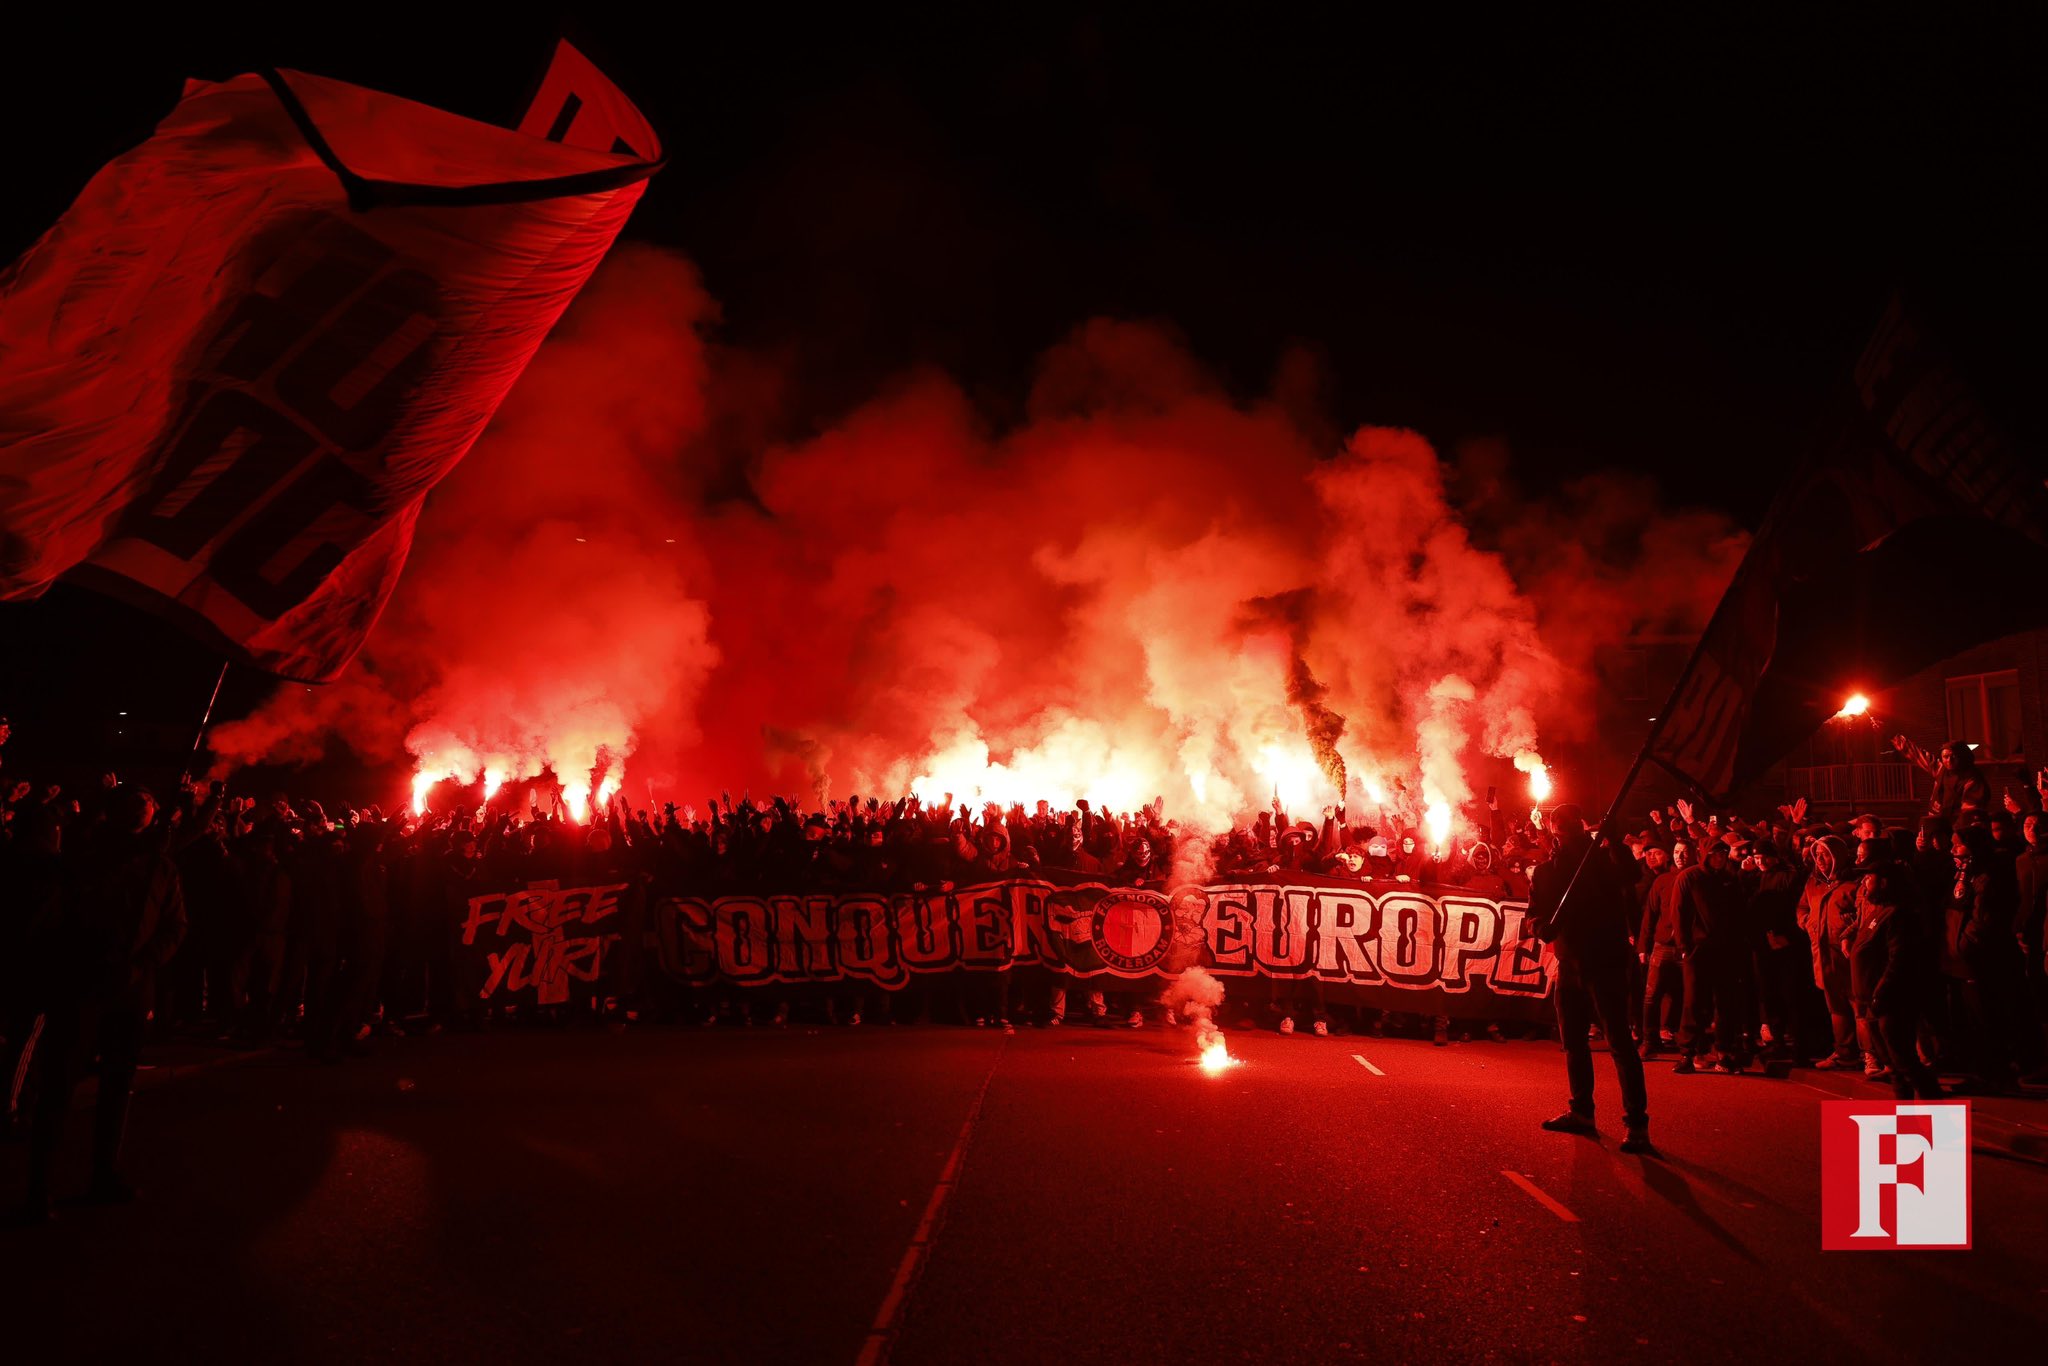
[(1635, 768), (204, 718), (1657, 722)]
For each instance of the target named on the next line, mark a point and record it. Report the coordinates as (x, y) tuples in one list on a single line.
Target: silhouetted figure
[(1589, 932), (123, 917)]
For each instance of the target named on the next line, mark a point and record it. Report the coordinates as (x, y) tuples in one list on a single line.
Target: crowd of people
[(1891, 951), (1900, 951)]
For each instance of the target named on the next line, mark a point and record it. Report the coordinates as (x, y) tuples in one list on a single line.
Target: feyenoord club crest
[(1894, 1175), (1130, 930)]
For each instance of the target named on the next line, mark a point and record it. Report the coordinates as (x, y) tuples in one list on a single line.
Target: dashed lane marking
[(1542, 1199)]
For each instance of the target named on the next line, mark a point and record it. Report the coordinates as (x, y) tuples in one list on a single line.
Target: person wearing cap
[(1580, 904)]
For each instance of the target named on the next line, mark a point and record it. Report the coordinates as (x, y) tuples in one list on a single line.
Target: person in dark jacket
[(1781, 953), (31, 903), (1892, 950), (1827, 907), (1873, 855), (1588, 929), (1980, 954), (1960, 796), (1713, 948), (1657, 947), (2030, 871), (123, 919)]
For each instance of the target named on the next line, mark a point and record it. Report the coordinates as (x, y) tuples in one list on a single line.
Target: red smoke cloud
[(1145, 587)]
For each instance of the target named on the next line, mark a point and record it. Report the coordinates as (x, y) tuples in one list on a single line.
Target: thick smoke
[(547, 616), (1195, 997), (1146, 587), (1320, 726)]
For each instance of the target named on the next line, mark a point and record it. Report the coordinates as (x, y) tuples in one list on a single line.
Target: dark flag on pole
[(1916, 537), (232, 371)]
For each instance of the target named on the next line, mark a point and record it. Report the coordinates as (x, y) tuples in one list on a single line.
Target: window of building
[(1984, 709)]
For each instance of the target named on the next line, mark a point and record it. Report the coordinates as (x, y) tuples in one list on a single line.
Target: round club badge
[(1130, 930)]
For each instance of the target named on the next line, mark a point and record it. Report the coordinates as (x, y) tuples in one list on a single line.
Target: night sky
[(1607, 246)]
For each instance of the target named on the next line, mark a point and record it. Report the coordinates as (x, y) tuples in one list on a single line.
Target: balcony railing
[(1856, 784)]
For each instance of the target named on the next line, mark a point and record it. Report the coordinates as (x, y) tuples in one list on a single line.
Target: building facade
[(1993, 697)]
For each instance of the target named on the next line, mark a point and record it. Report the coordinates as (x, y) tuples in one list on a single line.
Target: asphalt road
[(1070, 1195)]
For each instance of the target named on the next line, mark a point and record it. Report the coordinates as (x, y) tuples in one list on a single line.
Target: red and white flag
[(231, 372)]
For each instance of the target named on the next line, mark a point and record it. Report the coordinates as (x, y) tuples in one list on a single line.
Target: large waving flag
[(1921, 534), (231, 372)]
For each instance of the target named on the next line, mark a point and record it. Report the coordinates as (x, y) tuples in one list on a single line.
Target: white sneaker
[(1287, 1025), (1054, 1021), (1322, 1029), (853, 1019), (1137, 1020), (1172, 1018)]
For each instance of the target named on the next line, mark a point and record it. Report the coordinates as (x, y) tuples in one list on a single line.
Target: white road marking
[(1359, 1058), (882, 1336), (1544, 1200)]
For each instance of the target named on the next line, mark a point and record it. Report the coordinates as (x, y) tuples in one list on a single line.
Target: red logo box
[(1894, 1175)]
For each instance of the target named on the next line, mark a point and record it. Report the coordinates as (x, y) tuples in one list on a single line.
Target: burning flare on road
[(1196, 996)]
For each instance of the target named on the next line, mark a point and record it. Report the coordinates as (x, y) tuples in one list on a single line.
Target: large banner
[(536, 943), (232, 371), (1401, 947)]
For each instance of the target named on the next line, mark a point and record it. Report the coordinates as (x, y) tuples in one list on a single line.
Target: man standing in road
[(1588, 931)]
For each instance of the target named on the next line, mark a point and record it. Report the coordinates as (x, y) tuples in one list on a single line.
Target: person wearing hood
[(1412, 863), (1483, 876), (1827, 910)]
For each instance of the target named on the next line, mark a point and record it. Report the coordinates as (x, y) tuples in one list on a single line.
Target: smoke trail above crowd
[(1144, 586)]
